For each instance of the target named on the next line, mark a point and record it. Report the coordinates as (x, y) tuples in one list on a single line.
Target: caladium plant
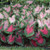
[(18, 39), (20, 23), (11, 39), (7, 8), (3, 38)]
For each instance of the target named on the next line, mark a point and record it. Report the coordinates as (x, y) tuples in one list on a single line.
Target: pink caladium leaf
[(29, 29), (16, 11), (42, 15), (1, 27), (31, 21), (23, 11), (47, 22), (34, 43), (5, 14), (23, 17), (38, 9), (44, 31), (7, 8), (11, 39), (17, 5), (6, 24), (40, 23), (12, 19), (30, 2), (17, 14), (10, 29), (29, 13), (1, 16), (3, 38), (19, 39), (25, 7)]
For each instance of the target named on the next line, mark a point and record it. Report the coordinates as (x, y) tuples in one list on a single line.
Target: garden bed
[(25, 23)]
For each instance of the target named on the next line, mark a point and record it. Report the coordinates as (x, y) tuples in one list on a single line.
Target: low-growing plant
[(23, 23)]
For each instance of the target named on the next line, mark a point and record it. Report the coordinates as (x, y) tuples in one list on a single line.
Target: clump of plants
[(25, 24)]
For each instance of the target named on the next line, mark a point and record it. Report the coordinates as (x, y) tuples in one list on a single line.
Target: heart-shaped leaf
[(11, 39)]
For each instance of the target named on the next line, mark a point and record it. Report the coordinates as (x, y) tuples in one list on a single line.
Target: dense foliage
[(25, 23)]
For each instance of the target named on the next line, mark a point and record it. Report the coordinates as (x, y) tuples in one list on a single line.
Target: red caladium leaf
[(34, 43), (44, 31), (1, 27), (19, 39), (29, 29), (11, 39), (10, 29), (3, 38), (39, 39)]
